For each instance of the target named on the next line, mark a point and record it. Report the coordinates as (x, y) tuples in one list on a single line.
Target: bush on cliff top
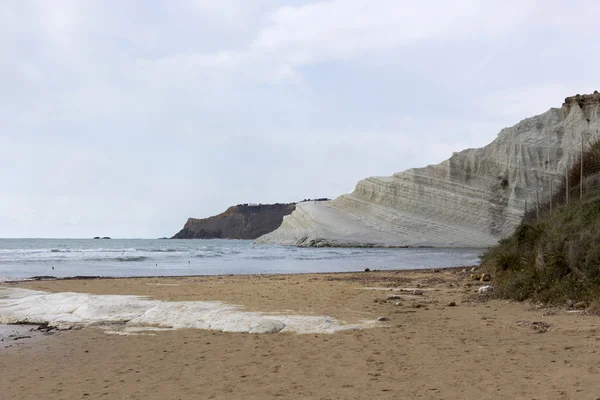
[(557, 258)]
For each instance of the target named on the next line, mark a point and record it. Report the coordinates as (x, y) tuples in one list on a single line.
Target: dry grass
[(557, 258)]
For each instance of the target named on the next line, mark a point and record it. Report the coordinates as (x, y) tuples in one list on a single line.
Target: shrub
[(555, 258)]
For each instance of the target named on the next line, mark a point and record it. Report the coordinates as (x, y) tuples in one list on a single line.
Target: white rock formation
[(134, 314), (472, 199)]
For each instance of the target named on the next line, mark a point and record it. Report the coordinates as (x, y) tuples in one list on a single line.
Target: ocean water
[(26, 258)]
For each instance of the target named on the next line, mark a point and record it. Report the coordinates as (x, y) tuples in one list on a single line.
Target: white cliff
[(474, 198)]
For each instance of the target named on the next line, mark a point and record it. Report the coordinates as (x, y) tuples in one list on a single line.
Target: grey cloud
[(125, 118)]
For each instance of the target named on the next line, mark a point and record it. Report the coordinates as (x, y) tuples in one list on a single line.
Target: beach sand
[(425, 350)]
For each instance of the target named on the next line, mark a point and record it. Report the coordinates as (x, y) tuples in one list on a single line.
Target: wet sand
[(426, 349), (20, 336)]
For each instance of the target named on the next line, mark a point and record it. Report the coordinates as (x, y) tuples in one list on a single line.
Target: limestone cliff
[(238, 222), (474, 198)]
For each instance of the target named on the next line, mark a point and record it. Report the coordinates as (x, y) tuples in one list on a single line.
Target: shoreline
[(50, 278), (443, 341)]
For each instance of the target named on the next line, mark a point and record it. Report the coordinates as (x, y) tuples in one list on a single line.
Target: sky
[(124, 118)]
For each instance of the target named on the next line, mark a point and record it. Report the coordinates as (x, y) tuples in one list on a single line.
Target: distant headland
[(243, 221)]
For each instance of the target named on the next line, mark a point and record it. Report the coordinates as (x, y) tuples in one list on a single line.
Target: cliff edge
[(473, 199), (243, 221)]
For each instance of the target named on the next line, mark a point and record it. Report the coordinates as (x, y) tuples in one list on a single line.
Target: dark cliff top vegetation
[(279, 204), (583, 99), (555, 259), (321, 199), (263, 205)]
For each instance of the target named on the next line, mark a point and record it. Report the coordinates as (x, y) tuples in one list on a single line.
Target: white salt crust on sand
[(137, 314)]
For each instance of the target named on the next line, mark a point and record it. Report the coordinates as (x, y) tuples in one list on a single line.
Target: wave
[(268, 258), (216, 253), (47, 250), (132, 258), (101, 250), (208, 255), (163, 250), (319, 257)]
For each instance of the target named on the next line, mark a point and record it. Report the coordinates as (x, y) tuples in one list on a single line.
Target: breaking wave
[(22, 258), (132, 258)]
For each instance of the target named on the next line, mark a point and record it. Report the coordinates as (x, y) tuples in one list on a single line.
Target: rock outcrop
[(243, 221), (474, 198)]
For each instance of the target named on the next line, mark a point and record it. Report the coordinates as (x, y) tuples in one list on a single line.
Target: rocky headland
[(474, 198), (244, 221)]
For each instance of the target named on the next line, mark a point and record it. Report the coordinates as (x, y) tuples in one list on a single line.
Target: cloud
[(346, 29), (125, 118)]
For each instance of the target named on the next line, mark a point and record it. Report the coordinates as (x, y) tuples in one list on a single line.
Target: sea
[(28, 258)]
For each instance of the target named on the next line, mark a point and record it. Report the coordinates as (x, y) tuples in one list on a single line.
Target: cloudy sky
[(124, 118)]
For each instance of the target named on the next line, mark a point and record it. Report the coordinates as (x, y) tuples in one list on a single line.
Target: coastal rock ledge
[(473, 199)]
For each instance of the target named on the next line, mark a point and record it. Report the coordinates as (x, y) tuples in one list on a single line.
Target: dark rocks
[(43, 278), (537, 326), (540, 327), (243, 221), (44, 327)]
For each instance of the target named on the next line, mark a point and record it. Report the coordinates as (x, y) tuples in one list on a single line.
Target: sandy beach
[(426, 349)]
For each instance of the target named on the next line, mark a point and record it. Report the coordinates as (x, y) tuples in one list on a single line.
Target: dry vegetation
[(555, 259)]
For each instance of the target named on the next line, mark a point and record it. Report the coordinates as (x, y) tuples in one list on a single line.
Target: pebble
[(486, 278), (381, 319), (394, 297), (417, 292), (484, 289), (452, 304), (540, 327), (398, 303), (570, 303)]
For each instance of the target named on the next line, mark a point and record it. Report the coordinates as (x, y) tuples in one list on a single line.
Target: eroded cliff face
[(474, 198), (238, 222)]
